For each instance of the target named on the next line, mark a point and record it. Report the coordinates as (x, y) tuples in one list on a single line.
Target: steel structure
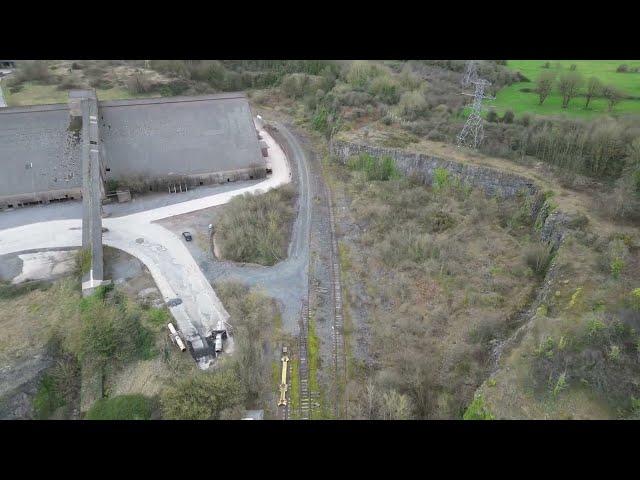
[(472, 133), (470, 73)]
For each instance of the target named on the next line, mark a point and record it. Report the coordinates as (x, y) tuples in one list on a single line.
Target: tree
[(544, 85), (612, 94), (202, 396), (569, 84), (594, 88), (508, 117), (492, 116)]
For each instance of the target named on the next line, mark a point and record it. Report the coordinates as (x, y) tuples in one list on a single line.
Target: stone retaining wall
[(493, 182), (422, 166)]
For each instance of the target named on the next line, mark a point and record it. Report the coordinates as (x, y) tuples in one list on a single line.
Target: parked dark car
[(187, 236)]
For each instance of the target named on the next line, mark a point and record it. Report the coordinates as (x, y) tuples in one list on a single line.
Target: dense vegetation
[(456, 267), (255, 228), (122, 407), (240, 381)]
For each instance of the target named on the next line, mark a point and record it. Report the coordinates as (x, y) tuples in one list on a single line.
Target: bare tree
[(544, 84), (569, 84), (594, 88), (612, 94), (395, 406)]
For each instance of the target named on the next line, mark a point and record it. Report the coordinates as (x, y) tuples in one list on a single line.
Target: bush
[(32, 71), (202, 396), (111, 330), (624, 68), (83, 261), (412, 105), (122, 407), (255, 228), (174, 88), (101, 83), (361, 73), (385, 89), (381, 169), (492, 116), (253, 314), (58, 387), (508, 117), (140, 83), (477, 410), (538, 257)]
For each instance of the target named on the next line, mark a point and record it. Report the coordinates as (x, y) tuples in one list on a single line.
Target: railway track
[(339, 357), (303, 370)]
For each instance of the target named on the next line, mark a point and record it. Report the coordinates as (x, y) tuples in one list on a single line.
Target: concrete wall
[(493, 182), (39, 154)]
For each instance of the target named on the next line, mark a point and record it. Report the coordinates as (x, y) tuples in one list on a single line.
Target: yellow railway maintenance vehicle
[(283, 382)]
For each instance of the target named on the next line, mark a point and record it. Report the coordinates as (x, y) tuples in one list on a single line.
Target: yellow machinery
[(283, 382)]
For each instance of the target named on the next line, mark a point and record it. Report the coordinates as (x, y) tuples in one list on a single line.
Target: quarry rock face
[(551, 226), (418, 165)]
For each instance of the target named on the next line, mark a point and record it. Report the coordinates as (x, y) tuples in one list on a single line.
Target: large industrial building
[(145, 144)]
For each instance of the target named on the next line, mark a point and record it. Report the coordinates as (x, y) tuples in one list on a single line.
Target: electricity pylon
[(472, 133)]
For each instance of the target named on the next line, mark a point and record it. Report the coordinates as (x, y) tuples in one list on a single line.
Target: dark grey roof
[(150, 137), (37, 151), (179, 135)]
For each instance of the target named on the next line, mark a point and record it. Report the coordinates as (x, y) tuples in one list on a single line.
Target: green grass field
[(512, 98)]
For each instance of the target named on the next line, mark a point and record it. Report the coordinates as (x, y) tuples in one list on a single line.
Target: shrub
[(361, 72), (255, 228), (381, 169), (202, 396), (33, 70), (140, 83), (174, 88), (58, 387), (477, 410), (492, 116), (635, 299), (101, 83), (122, 407), (83, 261), (508, 117), (111, 330), (617, 264), (624, 68), (385, 89), (412, 105), (70, 83), (441, 178), (538, 257)]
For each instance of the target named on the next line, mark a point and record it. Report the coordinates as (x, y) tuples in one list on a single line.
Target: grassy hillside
[(513, 98)]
